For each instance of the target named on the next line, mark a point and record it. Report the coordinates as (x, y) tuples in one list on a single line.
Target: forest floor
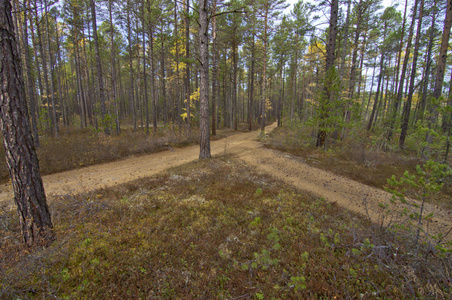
[(245, 147)]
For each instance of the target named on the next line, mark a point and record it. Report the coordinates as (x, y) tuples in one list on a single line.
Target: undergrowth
[(213, 230), (79, 148), (356, 157)]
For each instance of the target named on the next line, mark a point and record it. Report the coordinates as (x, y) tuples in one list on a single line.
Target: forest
[(137, 64), (322, 128)]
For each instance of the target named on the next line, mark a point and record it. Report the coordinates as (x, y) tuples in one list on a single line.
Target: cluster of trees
[(212, 63), (98, 63)]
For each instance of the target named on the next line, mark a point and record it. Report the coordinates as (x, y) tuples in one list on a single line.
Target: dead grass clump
[(81, 148), (215, 229)]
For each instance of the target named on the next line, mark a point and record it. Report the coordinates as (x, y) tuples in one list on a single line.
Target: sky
[(386, 3)]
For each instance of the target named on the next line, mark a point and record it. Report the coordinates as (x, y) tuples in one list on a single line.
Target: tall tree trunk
[(132, 83), (234, 82), (214, 69), (281, 93), (154, 92), (440, 71), (264, 71), (204, 85), (294, 80), (89, 92), (187, 64), (163, 78), (374, 109), (178, 89), (38, 65), (44, 65), (402, 76), (345, 40), (100, 80), (31, 89), (53, 117), (114, 91), (60, 76), (251, 95), (21, 158), (330, 49), (146, 98), (399, 56), (407, 108)]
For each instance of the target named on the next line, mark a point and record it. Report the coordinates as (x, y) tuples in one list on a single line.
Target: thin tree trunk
[(38, 67), (204, 85), (53, 118), (146, 99), (114, 95), (214, 69), (178, 98), (440, 71), (187, 66), (129, 49), (44, 66), (100, 81), (399, 57), (264, 72), (31, 89), (234, 83), (251, 95), (374, 109), (163, 78), (330, 50), (402, 76), (154, 92), (407, 109)]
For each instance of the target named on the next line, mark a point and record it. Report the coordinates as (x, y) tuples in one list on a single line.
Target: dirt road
[(347, 193)]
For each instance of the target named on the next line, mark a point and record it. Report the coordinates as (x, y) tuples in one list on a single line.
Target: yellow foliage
[(193, 97), (268, 105), (316, 50)]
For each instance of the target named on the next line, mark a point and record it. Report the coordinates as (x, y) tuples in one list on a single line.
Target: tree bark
[(330, 49), (441, 66), (398, 100), (251, 95), (114, 95), (152, 67), (187, 64), (146, 98), (163, 78), (214, 69), (264, 72), (203, 93), (53, 117), (407, 108), (21, 158), (100, 81), (423, 102), (234, 82), (132, 83), (31, 89)]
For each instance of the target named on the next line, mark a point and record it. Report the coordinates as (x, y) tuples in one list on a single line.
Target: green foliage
[(44, 119), (208, 235), (427, 181)]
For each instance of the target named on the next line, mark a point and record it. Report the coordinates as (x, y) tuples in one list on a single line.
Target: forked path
[(347, 193)]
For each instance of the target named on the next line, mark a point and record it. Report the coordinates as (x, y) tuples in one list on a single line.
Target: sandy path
[(347, 193)]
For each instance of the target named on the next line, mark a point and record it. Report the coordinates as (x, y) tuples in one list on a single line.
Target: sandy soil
[(347, 193)]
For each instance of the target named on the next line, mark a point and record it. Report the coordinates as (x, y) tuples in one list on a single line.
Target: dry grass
[(354, 157), (214, 230), (81, 148)]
